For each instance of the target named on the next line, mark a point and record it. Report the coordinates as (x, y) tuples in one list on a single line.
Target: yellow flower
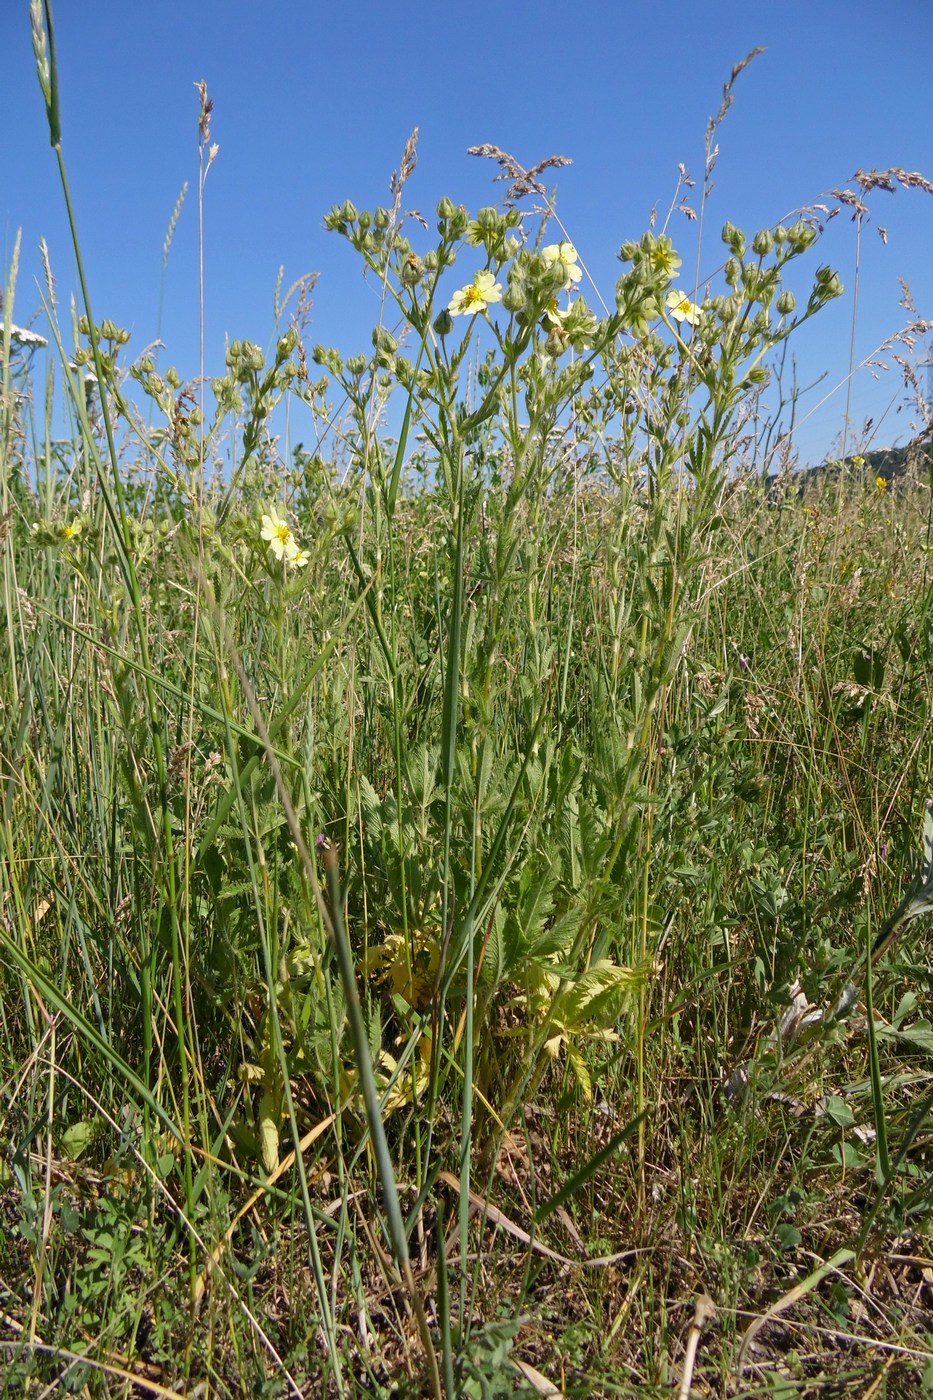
[(73, 529), (553, 314), (682, 308), (480, 293), (881, 483), (567, 254), (662, 257), (282, 540)]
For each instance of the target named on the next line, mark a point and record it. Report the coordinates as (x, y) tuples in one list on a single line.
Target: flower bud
[(443, 323), (515, 298), (786, 303), (384, 341), (411, 271), (734, 239), (763, 242), (286, 344), (556, 342), (112, 332), (445, 208), (800, 236)]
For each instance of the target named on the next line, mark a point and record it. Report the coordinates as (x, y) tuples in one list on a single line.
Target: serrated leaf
[(581, 1072), (493, 968)]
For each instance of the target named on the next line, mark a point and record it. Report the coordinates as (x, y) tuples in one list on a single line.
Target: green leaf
[(78, 1137)]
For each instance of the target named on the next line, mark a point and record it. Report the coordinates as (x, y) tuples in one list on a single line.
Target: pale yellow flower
[(567, 254), (682, 308), (553, 314), (282, 540), (480, 293), (72, 529)]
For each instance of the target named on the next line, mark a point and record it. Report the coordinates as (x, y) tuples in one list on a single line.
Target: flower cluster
[(281, 540)]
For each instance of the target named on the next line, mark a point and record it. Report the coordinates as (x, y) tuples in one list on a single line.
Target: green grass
[(396, 935)]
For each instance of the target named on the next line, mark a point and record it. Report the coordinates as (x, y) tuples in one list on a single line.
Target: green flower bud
[(826, 286), (430, 260), (556, 343), (356, 365), (381, 218), (286, 344), (173, 377), (110, 331), (628, 251), (800, 236), (786, 303), (515, 298), (763, 242), (734, 239), (348, 212), (459, 222), (411, 271), (383, 340), (445, 208), (443, 323)]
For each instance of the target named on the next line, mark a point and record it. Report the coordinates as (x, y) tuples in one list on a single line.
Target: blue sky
[(314, 102)]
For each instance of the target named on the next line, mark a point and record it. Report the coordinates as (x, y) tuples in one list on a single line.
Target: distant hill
[(896, 466), (912, 462)]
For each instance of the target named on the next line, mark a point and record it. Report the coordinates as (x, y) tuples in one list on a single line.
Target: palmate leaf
[(371, 808), (538, 903), (493, 966), (559, 936), (596, 999), (422, 772)]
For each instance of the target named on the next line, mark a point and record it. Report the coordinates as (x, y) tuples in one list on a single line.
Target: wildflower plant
[(499, 661)]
